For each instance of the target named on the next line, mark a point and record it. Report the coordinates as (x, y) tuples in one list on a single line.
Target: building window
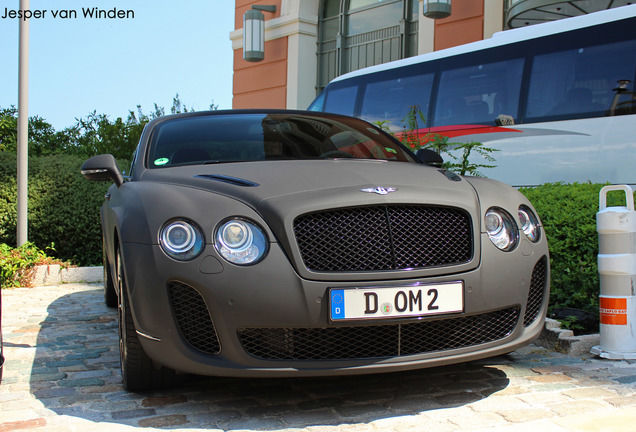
[(354, 34)]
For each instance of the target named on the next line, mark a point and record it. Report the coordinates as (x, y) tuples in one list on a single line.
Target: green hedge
[(568, 213), (63, 207)]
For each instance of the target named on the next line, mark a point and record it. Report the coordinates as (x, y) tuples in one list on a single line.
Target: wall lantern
[(437, 9), (254, 33)]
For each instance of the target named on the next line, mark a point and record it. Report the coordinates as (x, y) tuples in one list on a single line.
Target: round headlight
[(181, 240), (235, 235), (529, 224), (240, 242), (501, 228)]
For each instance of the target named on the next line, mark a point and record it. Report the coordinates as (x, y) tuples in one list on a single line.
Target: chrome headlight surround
[(501, 229), (240, 241), (181, 239), (529, 224)]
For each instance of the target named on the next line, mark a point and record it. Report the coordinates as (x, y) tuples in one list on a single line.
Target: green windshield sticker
[(389, 149), (162, 161)]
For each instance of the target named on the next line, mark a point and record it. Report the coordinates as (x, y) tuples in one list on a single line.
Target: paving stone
[(54, 392), (85, 382), (551, 378), (496, 403), (212, 419), (63, 372), (622, 401), (577, 407), (133, 414), (544, 399), (552, 387), (99, 373), (22, 425), (631, 379), (478, 421), (524, 415), (589, 393), (163, 401), (163, 421), (457, 399)]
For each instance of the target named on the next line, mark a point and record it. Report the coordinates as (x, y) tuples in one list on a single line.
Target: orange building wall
[(260, 84), (466, 24)]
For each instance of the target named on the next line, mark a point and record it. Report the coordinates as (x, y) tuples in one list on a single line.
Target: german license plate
[(395, 302)]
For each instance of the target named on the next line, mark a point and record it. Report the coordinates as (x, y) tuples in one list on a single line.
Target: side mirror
[(102, 168), (430, 157)]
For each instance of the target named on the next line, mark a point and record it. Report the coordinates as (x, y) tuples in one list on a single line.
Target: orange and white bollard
[(616, 228)]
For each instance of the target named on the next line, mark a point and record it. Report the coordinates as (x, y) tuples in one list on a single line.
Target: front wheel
[(138, 371)]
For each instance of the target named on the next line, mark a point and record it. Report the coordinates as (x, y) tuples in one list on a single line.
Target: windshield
[(241, 137)]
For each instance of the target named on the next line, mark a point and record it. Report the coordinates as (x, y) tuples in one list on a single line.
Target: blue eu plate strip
[(337, 304)]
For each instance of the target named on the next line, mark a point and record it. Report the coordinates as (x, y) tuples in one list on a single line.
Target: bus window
[(318, 103), (389, 100), (341, 101), (624, 100), (579, 82), (478, 94)]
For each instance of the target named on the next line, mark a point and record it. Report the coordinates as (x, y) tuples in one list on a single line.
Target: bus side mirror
[(430, 157)]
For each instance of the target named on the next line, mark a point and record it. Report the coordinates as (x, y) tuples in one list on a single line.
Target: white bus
[(556, 99)]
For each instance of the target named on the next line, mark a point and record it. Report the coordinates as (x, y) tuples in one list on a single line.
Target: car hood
[(296, 187), (280, 191)]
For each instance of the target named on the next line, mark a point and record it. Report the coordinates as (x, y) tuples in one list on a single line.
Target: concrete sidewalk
[(62, 374)]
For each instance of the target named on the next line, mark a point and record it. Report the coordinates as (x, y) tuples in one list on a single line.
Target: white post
[(616, 228), (23, 127)]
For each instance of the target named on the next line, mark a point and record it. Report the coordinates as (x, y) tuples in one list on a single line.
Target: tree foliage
[(63, 206), (91, 135)]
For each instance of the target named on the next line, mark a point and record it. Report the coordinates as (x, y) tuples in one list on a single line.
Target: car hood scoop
[(228, 179)]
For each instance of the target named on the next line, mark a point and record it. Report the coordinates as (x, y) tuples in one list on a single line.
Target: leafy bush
[(16, 265), (63, 207), (568, 213)]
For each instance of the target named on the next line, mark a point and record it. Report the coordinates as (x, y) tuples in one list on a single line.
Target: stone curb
[(561, 340), (54, 274)]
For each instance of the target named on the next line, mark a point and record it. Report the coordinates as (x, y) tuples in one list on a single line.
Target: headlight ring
[(181, 239), (501, 229), (529, 224), (240, 241)]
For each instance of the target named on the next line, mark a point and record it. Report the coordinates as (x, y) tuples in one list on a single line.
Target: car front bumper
[(210, 317)]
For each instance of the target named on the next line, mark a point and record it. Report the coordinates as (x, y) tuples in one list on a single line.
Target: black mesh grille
[(537, 291), (193, 318), (384, 238), (341, 343)]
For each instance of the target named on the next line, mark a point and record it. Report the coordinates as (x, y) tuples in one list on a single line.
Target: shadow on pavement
[(76, 373)]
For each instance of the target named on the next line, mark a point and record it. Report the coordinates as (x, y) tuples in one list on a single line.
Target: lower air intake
[(342, 343), (537, 291), (193, 318)]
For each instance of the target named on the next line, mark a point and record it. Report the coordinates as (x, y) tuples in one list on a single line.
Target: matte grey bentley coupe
[(292, 243)]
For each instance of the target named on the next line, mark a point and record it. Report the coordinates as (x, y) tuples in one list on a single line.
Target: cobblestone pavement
[(62, 374)]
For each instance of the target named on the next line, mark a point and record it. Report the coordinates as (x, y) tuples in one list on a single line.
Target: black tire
[(110, 294), (138, 371)]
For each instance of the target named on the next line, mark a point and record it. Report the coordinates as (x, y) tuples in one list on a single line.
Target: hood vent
[(227, 179)]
